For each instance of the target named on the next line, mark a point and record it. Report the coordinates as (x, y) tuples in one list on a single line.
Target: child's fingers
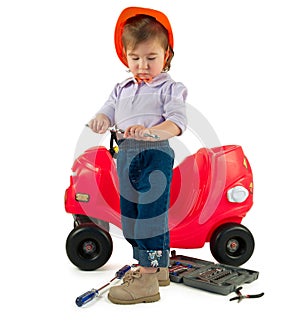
[(98, 126)]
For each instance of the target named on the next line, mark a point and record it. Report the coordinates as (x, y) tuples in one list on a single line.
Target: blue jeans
[(145, 172)]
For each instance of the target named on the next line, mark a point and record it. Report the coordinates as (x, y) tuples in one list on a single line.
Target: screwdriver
[(90, 295)]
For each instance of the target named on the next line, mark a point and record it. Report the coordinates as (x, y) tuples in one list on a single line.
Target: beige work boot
[(136, 288), (163, 277)]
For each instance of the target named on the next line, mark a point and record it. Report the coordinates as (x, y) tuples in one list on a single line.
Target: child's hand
[(99, 124), (138, 132)]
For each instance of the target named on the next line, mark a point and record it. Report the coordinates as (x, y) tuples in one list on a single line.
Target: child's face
[(146, 60)]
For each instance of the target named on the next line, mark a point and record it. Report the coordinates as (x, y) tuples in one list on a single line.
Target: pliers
[(240, 297)]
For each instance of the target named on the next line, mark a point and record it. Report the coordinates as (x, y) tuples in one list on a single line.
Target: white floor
[(40, 292)]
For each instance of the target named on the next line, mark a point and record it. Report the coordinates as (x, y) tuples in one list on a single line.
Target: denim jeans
[(145, 172)]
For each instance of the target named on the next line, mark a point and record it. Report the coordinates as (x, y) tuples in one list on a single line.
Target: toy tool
[(240, 297), (155, 136), (90, 295), (116, 130)]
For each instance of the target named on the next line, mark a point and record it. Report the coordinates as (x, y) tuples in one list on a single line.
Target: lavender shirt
[(147, 104)]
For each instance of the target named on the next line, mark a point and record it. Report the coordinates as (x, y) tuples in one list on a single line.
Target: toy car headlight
[(82, 197), (237, 194)]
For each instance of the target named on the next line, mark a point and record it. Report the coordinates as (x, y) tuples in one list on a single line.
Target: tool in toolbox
[(178, 268), (205, 275), (90, 295), (240, 297)]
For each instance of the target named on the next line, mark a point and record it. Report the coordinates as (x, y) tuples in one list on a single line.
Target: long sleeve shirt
[(147, 103)]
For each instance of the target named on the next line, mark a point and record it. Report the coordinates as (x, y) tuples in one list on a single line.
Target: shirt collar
[(156, 81)]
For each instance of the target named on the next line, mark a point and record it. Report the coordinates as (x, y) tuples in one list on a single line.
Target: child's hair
[(141, 28)]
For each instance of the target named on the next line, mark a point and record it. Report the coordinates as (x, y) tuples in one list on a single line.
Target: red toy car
[(211, 192)]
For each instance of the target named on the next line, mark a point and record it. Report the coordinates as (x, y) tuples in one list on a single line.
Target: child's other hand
[(137, 132), (99, 124)]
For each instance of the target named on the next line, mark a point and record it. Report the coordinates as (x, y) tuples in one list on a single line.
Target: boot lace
[(130, 276)]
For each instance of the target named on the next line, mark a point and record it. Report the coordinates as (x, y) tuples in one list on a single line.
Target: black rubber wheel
[(89, 247), (232, 244)]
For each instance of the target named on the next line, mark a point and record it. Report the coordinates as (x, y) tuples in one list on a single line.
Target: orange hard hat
[(133, 11)]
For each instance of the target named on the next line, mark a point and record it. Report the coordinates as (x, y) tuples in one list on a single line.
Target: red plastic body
[(198, 200)]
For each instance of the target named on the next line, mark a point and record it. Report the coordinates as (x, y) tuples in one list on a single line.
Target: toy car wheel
[(89, 247), (232, 244)]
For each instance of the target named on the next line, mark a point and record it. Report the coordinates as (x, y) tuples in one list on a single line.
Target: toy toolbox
[(205, 275)]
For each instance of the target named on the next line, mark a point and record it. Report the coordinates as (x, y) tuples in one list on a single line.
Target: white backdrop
[(240, 62)]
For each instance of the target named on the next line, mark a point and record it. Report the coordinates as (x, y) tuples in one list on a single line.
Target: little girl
[(149, 108)]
